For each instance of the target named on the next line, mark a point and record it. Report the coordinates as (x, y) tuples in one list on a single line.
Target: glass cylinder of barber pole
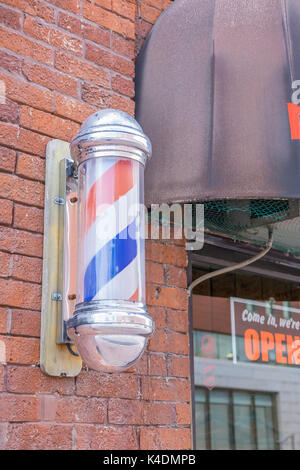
[(110, 326)]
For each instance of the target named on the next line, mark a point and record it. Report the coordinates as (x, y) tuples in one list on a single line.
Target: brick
[(23, 139), (27, 269), (104, 3), (155, 3), (23, 92), (91, 437), (9, 112), (51, 79), (155, 273), (178, 366), (157, 365), (31, 380), (50, 125), (31, 167), (9, 62), (82, 69), (122, 45), (149, 13), (4, 316), (39, 436), (177, 321), (71, 5), (168, 254), (140, 367), (2, 388), (7, 159), (108, 20), (6, 212), (142, 28), (21, 190), (70, 23), (124, 8), (95, 96), (123, 85), (96, 34), (174, 343), (107, 386), (20, 294), (52, 36), (109, 60), (167, 297), (73, 109), (18, 408), (159, 316), (17, 241), (11, 18), (171, 390), (183, 414), (22, 45), (29, 218), (21, 350), (124, 104), (140, 413), (81, 410), (176, 277), (33, 7), (25, 323), (165, 439)]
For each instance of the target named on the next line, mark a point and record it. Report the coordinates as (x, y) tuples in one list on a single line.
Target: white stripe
[(123, 285), (97, 168), (111, 222)]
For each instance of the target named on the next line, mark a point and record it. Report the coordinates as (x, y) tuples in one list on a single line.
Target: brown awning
[(212, 86)]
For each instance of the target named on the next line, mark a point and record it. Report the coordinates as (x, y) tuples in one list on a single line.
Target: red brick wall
[(59, 66)]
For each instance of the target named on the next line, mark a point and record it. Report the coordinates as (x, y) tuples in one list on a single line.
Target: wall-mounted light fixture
[(100, 183)]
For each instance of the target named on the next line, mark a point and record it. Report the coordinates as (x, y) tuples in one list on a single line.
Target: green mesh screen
[(248, 220)]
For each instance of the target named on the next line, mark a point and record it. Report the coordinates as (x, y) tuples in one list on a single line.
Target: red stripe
[(135, 296), (113, 184)]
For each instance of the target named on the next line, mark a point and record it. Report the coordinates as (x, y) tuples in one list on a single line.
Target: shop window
[(235, 420)]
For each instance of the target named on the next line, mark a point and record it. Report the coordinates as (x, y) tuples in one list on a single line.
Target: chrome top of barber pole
[(111, 326), (105, 130)]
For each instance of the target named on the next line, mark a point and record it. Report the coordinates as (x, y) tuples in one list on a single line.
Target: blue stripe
[(109, 261)]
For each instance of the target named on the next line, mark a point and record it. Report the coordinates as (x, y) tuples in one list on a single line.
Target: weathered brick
[(142, 28), (178, 366), (10, 63), (172, 390), (122, 45), (9, 111), (45, 123), (81, 410), (51, 79), (21, 350), (95, 96), (159, 316), (31, 380), (168, 254), (177, 321), (123, 103), (169, 342), (167, 297), (71, 5), (39, 436), (22, 45), (29, 218), (16, 408), (7, 159), (73, 109), (11, 18), (6, 212), (31, 167), (33, 7), (23, 139), (52, 36), (82, 69), (70, 23), (183, 414), (124, 8), (108, 19), (21, 190), (109, 60), (20, 294), (25, 323), (91, 437), (149, 13), (23, 92), (176, 277), (157, 365), (107, 386), (17, 241), (4, 315), (96, 34), (123, 85), (26, 268), (155, 273), (2, 388), (165, 439)]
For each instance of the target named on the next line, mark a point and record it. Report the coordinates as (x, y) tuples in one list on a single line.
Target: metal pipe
[(235, 267)]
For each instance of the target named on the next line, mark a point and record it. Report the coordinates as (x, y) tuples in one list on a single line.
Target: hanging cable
[(228, 269)]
